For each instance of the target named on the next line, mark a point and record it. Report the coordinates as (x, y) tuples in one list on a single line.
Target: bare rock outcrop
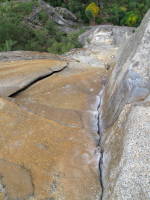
[(125, 121), (49, 139), (17, 75), (64, 18), (100, 46), (51, 111)]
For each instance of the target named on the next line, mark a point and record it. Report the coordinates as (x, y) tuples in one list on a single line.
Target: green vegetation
[(92, 11), (16, 34), (125, 12), (117, 12), (75, 6)]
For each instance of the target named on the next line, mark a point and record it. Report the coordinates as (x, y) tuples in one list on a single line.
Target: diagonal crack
[(32, 82)]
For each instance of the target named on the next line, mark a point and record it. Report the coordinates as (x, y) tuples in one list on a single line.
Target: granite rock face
[(17, 75), (125, 121), (49, 133), (51, 111), (98, 35), (44, 159), (65, 19), (100, 46)]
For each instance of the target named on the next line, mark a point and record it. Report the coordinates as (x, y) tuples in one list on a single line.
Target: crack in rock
[(99, 132), (44, 76)]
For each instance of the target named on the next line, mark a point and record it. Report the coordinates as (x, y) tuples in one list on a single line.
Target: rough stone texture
[(65, 19), (68, 98), (62, 160), (125, 117), (16, 75), (66, 14), (130, 79), (100, 46), (102, 34), (16, 181), (48, 134), (27, 55), (57, 14), (50, 129)]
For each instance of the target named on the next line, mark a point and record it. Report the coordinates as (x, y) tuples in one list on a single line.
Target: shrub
[(75, 6), (125, 12), (16, 35), (131, 19), (115, 12), (92, 11), (43, 17)]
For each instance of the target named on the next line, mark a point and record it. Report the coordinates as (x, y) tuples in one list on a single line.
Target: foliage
[(15, 34), (75, 6), (125, 12), (93, 8), (68, 43), (117, 12), (130, 19), (92, 11)]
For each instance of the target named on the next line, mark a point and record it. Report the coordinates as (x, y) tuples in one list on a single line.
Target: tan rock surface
[(16, 181), (61, 160), (49, 131), (15, 75), (67, 98)]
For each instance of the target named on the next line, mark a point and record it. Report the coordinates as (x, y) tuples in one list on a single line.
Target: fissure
[(35, 81)]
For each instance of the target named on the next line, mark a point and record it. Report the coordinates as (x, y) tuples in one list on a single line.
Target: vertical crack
[(101, 173), (99, 132)]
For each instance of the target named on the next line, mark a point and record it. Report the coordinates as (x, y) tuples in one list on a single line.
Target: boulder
[(125, 121), (101, 34), (62, 17)]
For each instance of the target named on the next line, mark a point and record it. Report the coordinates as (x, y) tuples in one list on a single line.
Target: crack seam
[(99, 132), (13, 95)]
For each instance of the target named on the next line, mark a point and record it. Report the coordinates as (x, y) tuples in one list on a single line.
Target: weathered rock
[(56, 14), (100, 46), (62, 161), (130, 79), (27, 55), (66, 14), (125, 117), (102, 34), (55, 136), (16, 181), (16, 75), (64, 18), (70, 98), (50, 128)]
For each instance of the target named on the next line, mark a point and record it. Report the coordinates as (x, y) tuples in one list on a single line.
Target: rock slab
[(125, 121), (48, 146)]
